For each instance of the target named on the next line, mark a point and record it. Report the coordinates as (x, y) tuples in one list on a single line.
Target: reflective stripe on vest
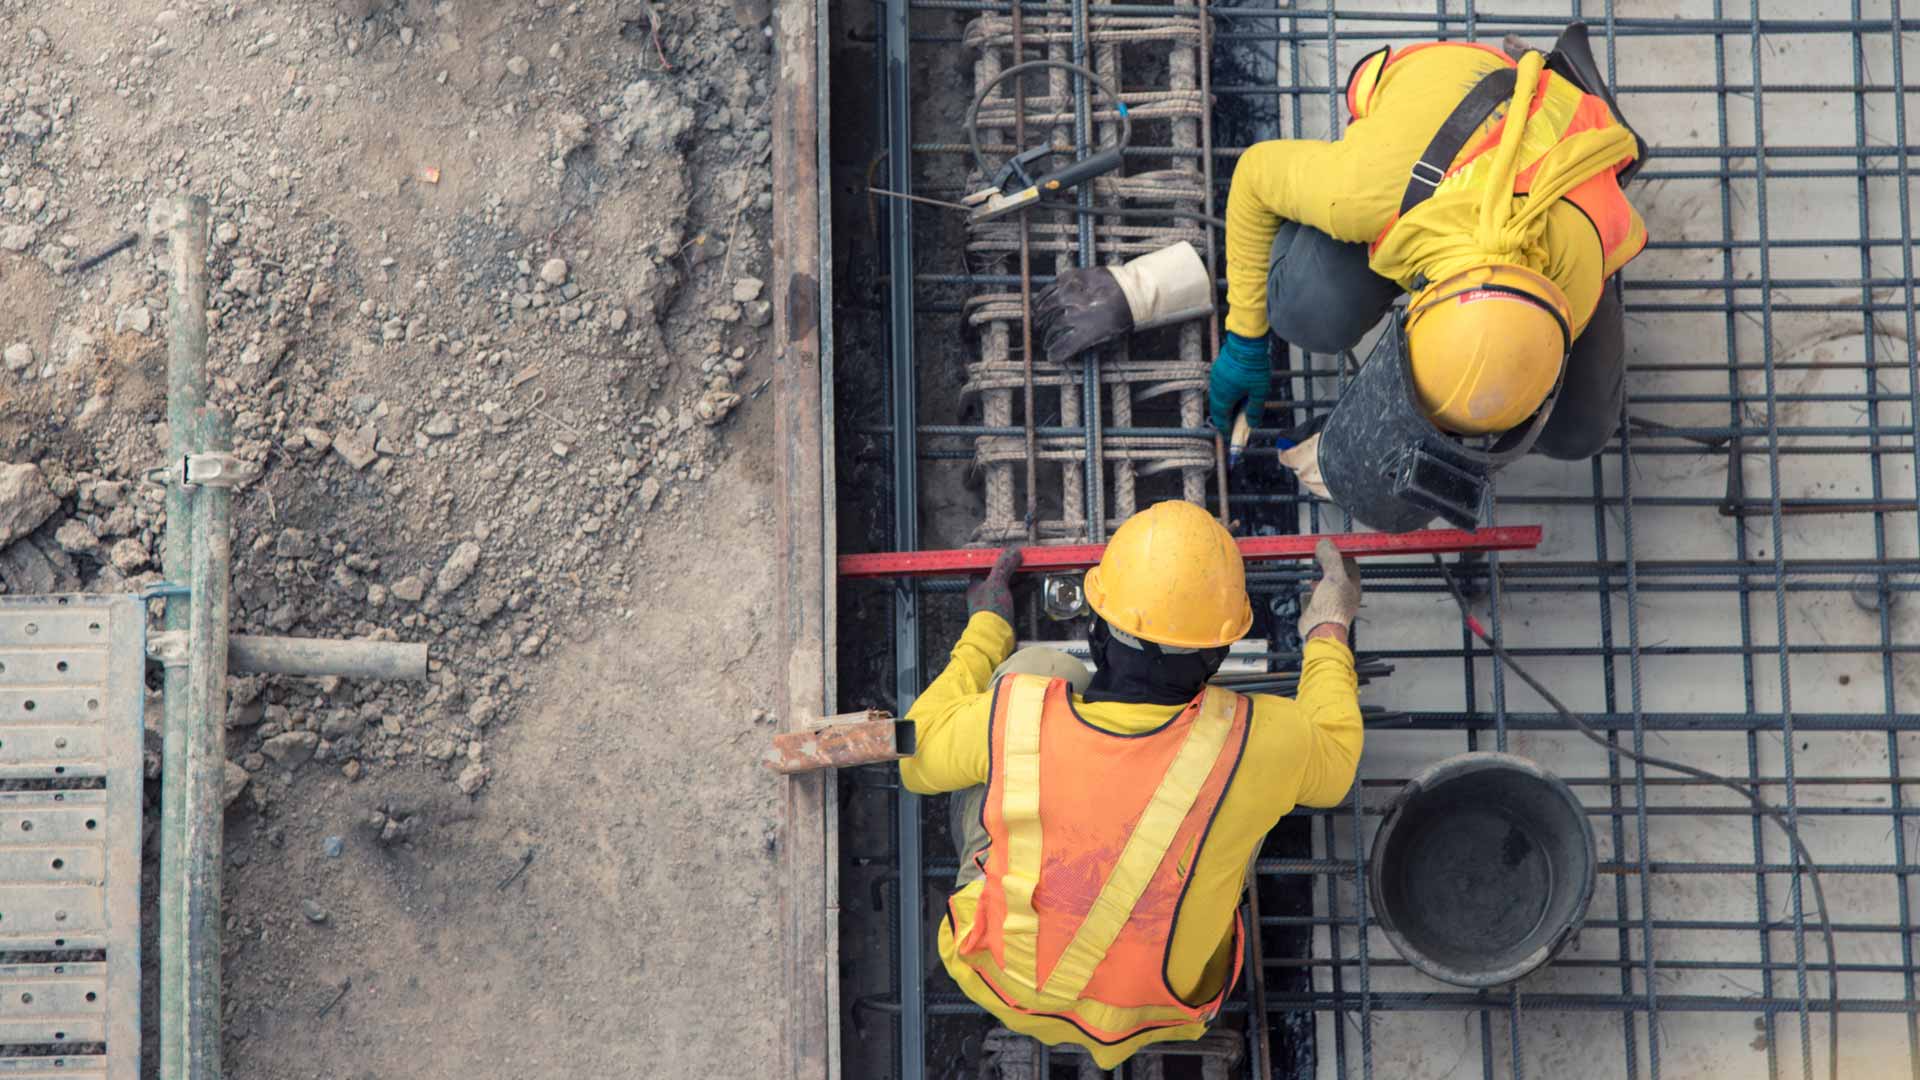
[(1048, 930), (1559, 110)]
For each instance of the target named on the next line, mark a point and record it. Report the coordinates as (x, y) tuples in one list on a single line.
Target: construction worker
[(1508, 237), (1105, 821)]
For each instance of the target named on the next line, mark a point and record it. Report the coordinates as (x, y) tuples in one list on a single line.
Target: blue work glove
[(1241, 375)]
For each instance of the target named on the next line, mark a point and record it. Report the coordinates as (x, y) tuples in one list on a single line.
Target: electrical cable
[(1751, 794), (973, 111)]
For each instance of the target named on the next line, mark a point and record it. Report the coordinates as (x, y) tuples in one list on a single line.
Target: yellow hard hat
[(1173, 575), (1486, 346)]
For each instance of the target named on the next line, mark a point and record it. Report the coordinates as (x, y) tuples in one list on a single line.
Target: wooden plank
[(803, 449)]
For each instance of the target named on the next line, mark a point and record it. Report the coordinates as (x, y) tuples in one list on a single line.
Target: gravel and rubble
[(470, 360)]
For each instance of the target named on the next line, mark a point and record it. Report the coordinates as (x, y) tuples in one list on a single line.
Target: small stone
[(473, 778), (649, 493), (320, 295), (332, 847), (291, 749), (406, 36), (37, 37), (758, 313), (26, 501), (554, 271), (714, 405), (747, 288), (338, 724), (244, 280), (313, 911), (351, 770), (317, 439), (226, 232), (136, 318), (458, 568), (440, 425), (16, 237), (725, 313), (617, 319), (75, 538), (32, 124), (354, 451), (440, 748), (19, 356), (409, 589), (233, 783), (518, 66), (481, 712), (293, 544)]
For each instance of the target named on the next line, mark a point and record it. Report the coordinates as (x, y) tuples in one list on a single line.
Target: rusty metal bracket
[(867, 737)]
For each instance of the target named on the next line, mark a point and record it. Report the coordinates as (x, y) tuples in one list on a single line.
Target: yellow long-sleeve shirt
[(1300, 751), (1352, 188)]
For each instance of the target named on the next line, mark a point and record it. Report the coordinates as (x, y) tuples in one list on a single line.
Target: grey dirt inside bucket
[(1482, 869)]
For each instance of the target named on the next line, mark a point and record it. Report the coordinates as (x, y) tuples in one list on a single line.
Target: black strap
[(1488, 94)]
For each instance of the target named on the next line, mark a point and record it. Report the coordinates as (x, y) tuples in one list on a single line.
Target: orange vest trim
[(1092, 838), (1622, 235)]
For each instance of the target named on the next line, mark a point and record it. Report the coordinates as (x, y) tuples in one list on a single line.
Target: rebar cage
[(1727, 584)]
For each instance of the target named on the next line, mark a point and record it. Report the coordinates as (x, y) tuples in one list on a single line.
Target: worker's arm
[(951, 717), (1323, 185), (1329, 702)]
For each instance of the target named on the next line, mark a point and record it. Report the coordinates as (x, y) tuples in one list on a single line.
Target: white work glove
[(1336, 599), (1304, 460), (1089, 307)]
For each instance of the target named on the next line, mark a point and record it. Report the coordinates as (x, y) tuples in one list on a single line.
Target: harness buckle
[(1437, 173)]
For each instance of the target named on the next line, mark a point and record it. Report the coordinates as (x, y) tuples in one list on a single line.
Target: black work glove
[(1080, 310), (995, 591), (1090, 307)]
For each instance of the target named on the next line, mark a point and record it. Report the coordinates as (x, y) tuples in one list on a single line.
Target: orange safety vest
[(1092, 839), (1559, 110)]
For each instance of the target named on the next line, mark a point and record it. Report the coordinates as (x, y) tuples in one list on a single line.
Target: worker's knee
[(1321, 294), (1047, 661)]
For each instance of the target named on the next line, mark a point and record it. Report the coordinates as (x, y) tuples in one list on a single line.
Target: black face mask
[(1146, 675)]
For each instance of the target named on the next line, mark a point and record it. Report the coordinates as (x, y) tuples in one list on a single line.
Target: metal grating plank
[(72, 701)]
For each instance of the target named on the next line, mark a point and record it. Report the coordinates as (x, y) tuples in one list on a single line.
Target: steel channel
[(910, 925)]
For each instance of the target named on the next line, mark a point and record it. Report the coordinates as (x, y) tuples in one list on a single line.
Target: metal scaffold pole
[(194, 743)]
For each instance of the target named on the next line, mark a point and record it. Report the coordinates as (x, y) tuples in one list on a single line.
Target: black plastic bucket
[(1482, 869)]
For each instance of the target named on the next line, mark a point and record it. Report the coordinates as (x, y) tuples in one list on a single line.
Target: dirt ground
[(488, 313)]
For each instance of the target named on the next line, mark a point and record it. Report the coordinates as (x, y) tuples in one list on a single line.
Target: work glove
[(1336, 599), (1090, 307), (1304, 460), (995, 591), (1241, 376)]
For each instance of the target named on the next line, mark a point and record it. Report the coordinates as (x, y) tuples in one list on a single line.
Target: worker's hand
[(1241, 377), (1089, 307), (1336, 599), (995, 591), (1304, 460)]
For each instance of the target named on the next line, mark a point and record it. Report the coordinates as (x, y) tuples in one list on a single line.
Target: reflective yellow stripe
[(1145, 849), (1020, 810)]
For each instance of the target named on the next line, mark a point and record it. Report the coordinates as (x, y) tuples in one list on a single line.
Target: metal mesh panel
[(1727, 584)]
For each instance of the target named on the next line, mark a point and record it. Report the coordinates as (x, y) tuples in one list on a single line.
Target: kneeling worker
[(1508, 237), (1105, 823)]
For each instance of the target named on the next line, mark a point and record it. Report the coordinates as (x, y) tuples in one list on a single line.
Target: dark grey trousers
[(1323, 297)]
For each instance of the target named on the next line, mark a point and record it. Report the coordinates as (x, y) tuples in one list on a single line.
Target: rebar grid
[(1153, 63), (1771, 330)]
